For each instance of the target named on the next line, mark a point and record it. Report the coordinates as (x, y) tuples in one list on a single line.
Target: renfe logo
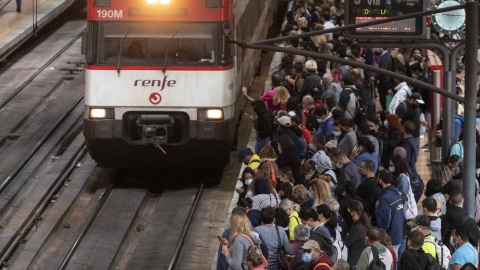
[(160, 83)]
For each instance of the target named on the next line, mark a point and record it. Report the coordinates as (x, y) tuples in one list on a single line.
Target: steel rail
[(186, 227), (39, 144), (91, 220), (41, 205), (40, 70)]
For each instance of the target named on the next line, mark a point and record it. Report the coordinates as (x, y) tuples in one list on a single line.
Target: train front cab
[(195, 123)]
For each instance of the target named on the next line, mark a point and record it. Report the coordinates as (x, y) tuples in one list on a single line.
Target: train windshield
[(148, 44)]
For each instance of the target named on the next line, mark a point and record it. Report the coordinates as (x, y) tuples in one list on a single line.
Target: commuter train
[(163, 83)]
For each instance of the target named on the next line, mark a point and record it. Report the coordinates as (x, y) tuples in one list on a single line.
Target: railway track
[(120, 227)]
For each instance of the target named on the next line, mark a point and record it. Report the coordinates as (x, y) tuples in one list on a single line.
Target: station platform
[(17, 27)]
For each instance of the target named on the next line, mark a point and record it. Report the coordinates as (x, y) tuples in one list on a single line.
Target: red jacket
[(322, 263)]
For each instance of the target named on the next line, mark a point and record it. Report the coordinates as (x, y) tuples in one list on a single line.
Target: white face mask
[(308, 176)]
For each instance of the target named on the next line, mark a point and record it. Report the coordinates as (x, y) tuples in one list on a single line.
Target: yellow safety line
[(14, 26), (22, 20)]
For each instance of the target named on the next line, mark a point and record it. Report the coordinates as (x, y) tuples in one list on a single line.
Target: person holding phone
[(240, 237)]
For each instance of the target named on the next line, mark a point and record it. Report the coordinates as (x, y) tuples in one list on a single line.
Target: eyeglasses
[(307, 250)]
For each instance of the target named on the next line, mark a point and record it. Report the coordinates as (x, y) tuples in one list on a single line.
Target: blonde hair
[(302, 22), (281, 95), (239, 224), (321, 191), (299, 194)]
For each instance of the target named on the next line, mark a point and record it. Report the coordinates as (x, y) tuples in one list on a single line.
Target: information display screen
[(360, 11), (405, 26)]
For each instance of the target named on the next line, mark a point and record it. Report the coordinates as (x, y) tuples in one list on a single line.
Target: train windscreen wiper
[(166, 52), (120, 51)]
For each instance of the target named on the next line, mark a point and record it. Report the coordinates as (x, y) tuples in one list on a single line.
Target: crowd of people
[(332, 182)]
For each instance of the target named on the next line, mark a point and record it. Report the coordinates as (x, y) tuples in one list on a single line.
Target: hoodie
[(458, 216), (367, 256), (402, 93), (326, 126)]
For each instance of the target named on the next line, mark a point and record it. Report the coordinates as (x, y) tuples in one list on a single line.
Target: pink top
[(268, 97)]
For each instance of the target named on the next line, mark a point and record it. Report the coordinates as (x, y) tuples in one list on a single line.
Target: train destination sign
[(361, 11)]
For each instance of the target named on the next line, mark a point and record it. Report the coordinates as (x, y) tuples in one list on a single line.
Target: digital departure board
[(360, 11)]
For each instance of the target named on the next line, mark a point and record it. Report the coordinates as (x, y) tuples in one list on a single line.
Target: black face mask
[(372, 131)]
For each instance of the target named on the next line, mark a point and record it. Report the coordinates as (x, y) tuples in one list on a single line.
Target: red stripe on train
[(222, 68)]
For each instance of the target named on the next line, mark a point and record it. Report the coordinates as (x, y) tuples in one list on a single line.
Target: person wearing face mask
[(347, 143), (423, 225), (409, 110), (365, 150), (389, 212), (309, 171), (318, 232), (399, 169), (334, 137), (348, 172), (316, 258), (355, 241), (247, 179), (419, 74), (465, 252), (456, 215), (301, 234), (367, 190), (400, 93), (325, 121)]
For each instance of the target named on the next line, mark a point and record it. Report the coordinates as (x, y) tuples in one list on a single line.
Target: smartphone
[(220, 240)]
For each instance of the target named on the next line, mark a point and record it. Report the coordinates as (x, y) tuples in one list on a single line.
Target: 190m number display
[(110, 14)]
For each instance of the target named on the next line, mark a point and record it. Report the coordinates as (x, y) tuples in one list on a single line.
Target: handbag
[(388, 101), (281, 254)]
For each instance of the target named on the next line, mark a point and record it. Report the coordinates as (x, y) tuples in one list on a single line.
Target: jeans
[(396, 248), (261, 143), (19, 4), (403, 247), (273, 267)]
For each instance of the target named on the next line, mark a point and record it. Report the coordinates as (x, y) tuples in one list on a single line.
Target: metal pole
[(354, 64), (436, 97), (469, 133), (435, 117), (448, 122)]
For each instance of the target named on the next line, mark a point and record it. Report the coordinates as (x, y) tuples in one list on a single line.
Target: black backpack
[(376, 263)]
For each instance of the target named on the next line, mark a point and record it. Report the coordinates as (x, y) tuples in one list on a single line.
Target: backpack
[(443, 253), (347, 94), (376, 263), (417, 185), (342, 251), (433, 265), (410, 209), (264, 261), (281, 254)]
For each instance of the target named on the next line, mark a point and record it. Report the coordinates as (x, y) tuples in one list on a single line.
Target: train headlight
[(97, 113), (210, 114), (165, 2)]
